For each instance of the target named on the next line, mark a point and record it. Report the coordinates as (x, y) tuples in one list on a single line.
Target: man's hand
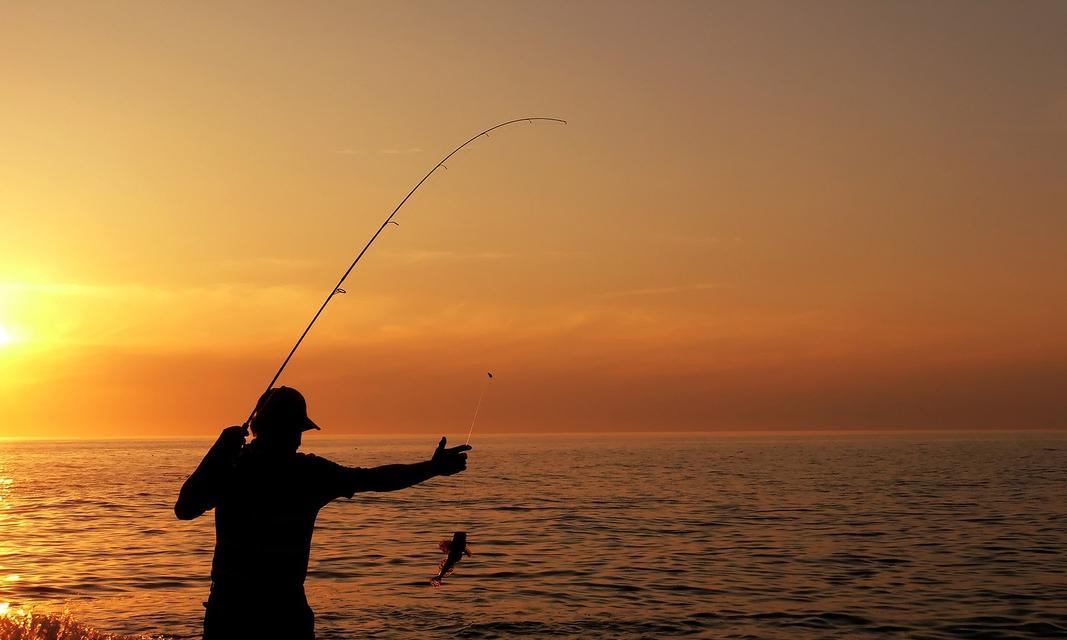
[(447, 462), (201, 490), (232, 439)]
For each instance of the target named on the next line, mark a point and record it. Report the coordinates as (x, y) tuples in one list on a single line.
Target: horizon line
[(722, 433)]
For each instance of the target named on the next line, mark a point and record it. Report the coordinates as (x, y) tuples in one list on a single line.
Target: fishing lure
[(456, 548)]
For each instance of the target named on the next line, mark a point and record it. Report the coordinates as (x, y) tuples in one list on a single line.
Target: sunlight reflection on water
[(581, 537)]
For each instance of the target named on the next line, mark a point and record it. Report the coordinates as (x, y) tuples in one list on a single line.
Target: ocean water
[(574, 536)]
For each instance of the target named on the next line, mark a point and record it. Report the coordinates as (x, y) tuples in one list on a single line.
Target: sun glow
[(6, 337)]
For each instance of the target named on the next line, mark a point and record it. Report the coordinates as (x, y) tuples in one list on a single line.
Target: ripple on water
[(641, 538)]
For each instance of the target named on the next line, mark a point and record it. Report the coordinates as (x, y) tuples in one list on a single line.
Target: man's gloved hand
[(447, 462)]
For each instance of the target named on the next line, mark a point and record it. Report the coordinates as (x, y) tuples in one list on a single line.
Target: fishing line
[(485, 385), (456, 548), (389, 220)]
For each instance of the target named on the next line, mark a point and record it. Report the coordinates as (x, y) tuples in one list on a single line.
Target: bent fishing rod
[(337, 289)]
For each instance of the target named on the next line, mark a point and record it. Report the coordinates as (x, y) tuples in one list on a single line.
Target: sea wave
[(19, 624)]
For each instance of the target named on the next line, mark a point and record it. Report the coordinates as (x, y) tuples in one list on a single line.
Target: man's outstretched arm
[(392, 477), (200, 491)]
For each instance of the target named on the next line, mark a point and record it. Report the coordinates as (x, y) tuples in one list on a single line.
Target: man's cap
[(282, 407)]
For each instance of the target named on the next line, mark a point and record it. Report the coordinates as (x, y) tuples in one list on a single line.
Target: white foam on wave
[(20, 624)]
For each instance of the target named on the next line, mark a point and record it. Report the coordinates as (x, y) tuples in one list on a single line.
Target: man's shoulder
[(332, 478), (312, 460), (311, 463)]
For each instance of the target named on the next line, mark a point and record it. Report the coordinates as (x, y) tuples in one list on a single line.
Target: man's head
[(281, 416)]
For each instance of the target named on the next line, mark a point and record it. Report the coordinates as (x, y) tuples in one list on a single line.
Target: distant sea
[(907, 536)]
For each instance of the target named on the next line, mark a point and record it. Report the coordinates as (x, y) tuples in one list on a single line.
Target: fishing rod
[(389, 220)]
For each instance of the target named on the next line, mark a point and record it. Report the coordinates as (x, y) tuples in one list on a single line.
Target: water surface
[(607, 536)]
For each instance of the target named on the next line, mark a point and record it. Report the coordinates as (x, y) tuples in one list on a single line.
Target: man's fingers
[(441, 444), (462, 447)]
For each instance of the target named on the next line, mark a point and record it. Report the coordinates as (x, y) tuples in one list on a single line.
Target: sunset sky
[(762, 216)]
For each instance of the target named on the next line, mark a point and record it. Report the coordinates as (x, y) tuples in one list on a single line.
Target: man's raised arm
[(392, 477), (200, 491)]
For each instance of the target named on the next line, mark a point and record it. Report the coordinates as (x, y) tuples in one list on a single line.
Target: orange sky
[(762, 215)]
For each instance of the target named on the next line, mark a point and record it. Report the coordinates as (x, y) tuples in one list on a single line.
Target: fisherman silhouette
[(266, 496)]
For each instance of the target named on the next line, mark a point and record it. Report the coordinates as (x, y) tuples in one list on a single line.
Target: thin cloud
[(658, 291), (388, 152), (148, 292), (705, 240), (268, 262), (420, 256)]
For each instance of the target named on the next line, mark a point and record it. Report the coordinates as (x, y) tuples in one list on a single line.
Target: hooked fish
[(456, 548)]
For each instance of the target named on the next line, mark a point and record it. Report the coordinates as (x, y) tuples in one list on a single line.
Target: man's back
[(264, 519), (266, 515)]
